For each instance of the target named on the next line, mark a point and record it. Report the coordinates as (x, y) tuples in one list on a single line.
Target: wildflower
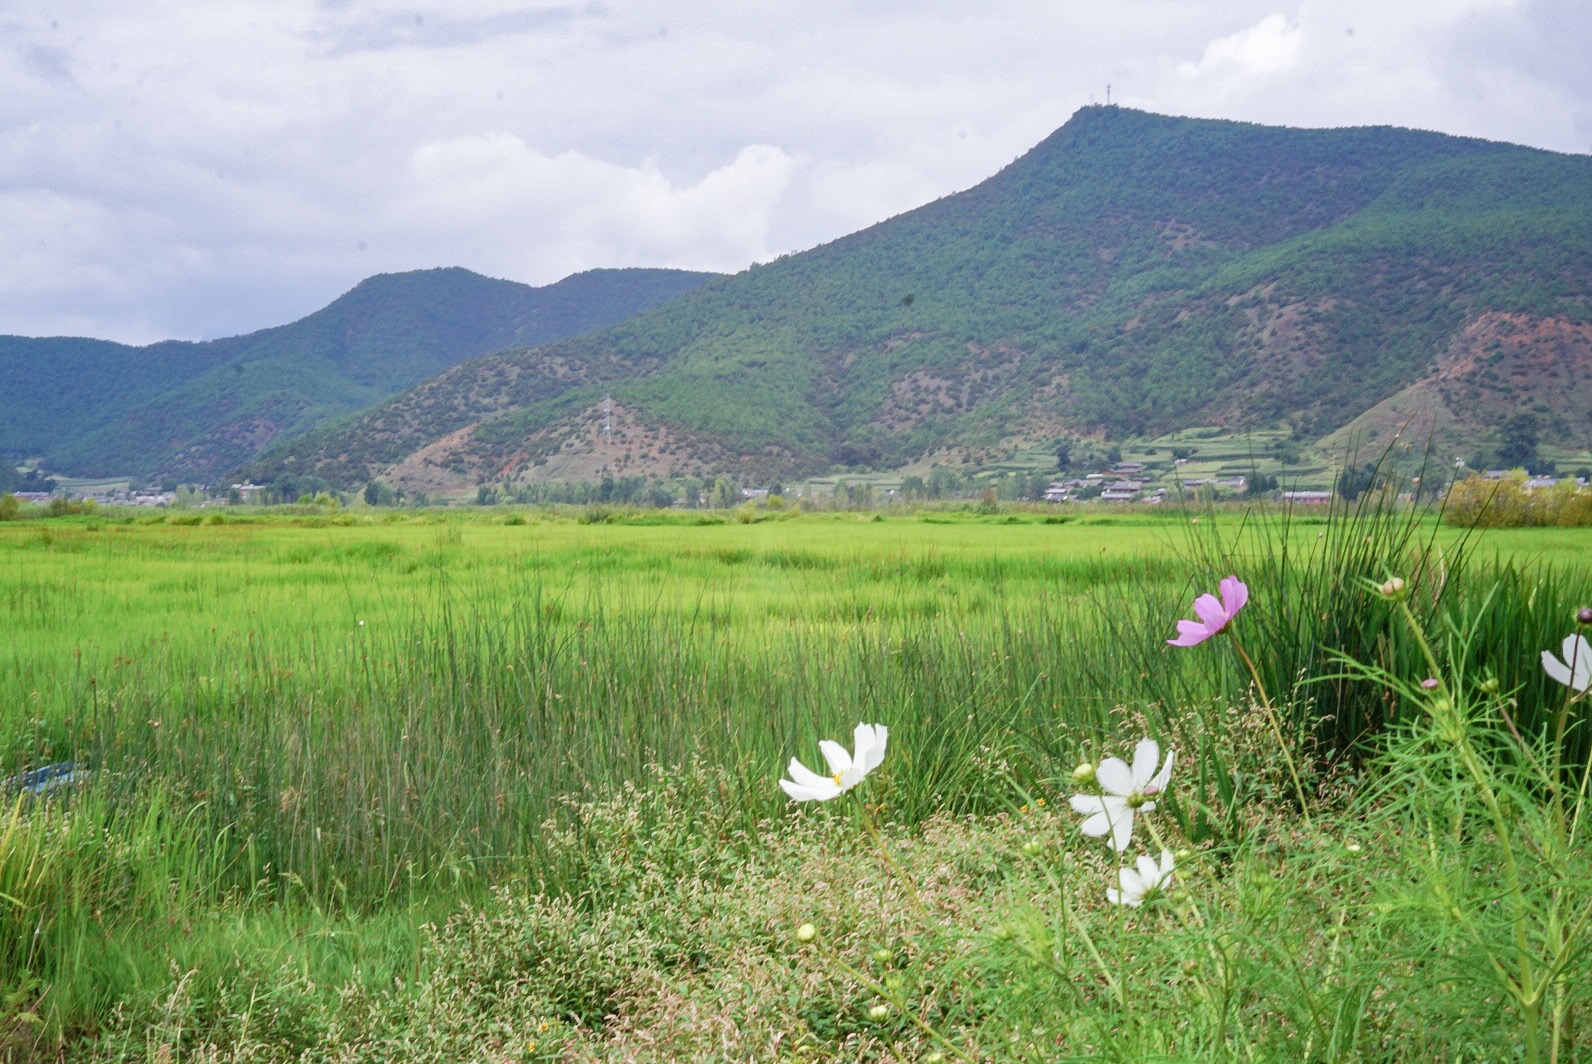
[(1146, 880), (1083, 775), (1213, 615), (846, 770), (1431, 683), (806, 933), (1127, 791), (1575, 671), (878, 1012), (1583, 615), (1392, 588)]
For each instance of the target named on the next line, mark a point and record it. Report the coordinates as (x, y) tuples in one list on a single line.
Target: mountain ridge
[(1132, 274), (199, 409)]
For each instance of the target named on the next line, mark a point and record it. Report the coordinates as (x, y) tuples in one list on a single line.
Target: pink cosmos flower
[(1213, 615)]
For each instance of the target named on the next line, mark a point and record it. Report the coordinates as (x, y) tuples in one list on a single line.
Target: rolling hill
[(1131, 275), (193, 411)]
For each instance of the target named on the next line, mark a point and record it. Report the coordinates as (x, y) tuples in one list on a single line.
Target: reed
[(309, 737)]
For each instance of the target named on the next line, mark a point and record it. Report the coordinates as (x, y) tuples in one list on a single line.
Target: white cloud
[(1467, 67), (550, 215), (171, 168), (1270, 46)]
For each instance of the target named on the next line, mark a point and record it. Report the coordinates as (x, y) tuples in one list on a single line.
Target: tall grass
[(1315, 608), (318, 736)]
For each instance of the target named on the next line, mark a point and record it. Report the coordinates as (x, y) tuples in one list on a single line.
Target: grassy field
[(348, 765)]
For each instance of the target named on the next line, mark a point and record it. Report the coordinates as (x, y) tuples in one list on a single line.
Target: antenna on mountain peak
[(1108, 94)]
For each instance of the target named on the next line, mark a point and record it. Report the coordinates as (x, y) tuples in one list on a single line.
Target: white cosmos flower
[(1575, 671), (845, 770), (1126, 792), (1137, 885)]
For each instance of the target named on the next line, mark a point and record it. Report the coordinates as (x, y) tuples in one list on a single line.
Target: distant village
[(1126, 482), (1121, 483)]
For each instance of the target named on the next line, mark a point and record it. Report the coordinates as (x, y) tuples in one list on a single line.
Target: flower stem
[(1571, 697), (872, 827), (1454, 728), (900, 1002), (1276, 729)]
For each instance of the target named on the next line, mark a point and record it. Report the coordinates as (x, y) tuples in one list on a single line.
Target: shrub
[(1508, 503)]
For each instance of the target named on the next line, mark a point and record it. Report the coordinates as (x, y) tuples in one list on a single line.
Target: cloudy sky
[(173, 168)]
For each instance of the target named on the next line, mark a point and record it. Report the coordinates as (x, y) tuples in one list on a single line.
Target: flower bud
[(1033, 847), (883, 956), (1084, 775), (1430, 683), (1450, 729), (1183, 854), (1393, 588), (935, 1057), (806, 933), (1489, 685), (878, 1012), (1583, 615)]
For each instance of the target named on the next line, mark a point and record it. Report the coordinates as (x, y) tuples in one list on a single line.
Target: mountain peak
[(195, 411), (1132, 274)]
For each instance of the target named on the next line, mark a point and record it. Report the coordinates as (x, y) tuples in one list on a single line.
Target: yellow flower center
[(836, 778)]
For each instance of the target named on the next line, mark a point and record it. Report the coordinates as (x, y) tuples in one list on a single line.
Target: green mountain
[(197, 410), (1131, 275)]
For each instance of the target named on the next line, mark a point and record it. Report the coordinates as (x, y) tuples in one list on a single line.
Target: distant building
[(1061, 490), (1234, 483)]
